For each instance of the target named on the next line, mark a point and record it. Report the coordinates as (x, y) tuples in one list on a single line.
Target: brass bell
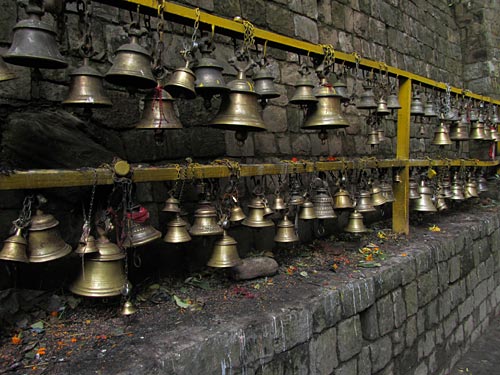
[(88, 246), (494, 133), (424, 203), (264, 84), (100, 278), (304, 92), (34, 44), (373, 138), (296, 197), (441, 203), (286, 231), (326, 114), (378, 198), (457, 189), (44, 241), (14, 248), (279, 204), (171, 205), (381, 135), (458, 131), (446, 188), (473, 115), (132, 65), (342, 200), (128, 308), (382, 108), (108, 251), (205, 221), (208, 72), (225, 253), (364, 203), (240, 110), (393, 101), (158, 112), (441, 136), (429, 110), (256, 217), (236, 214), (5, 72), (182, 83), (267, 210), (397, 177), (495, 119), (452, 115), (341, 89), (416, 106), (323, 204), (477, 131), (86, 89), (367, 99), (177, 232), (471, 189), (355, 224), (413, 192), (307, 211), (482, 185), (140, 231), (387, 192)]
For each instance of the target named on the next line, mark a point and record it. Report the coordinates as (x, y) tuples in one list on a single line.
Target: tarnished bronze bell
[(108, 251), (14, 248), (378, 198), (424, 203), (493, 133), (225, 253), (100, 278), (458, 131), (393, 101), (326, 114), (482, 185), (304, 92), (286, 231), (457, 189), (382, 108), (256, 217), (34, 43), (413, 192), (44, 241), (416, 105), (367, 99), (296, 198), (171, 205), (86, 89), (477, 131), (441, 203), (132, 66), (381, 135), (471, 189), (264, 84), (177, 231), (208, 72), (307, 210), (5, 73), (429, 110), (182, 83), (159, 112), (364, 203), (205, 221), (323, 204), (387, 192), (355, 224), (441, 136), (236, 214), (140, 233), (279, 204), (128, 308), (341, 89), (446, 188), (240, 110), (342, 200), (373, 138), (88, 246)]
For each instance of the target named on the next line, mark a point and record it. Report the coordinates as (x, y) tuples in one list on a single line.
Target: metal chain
[(329, 55), (84, 9), (248, 35), (196, 26), (87, 218), (25, 215)]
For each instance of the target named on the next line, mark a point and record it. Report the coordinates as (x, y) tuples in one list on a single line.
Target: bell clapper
[(241, 136), (323, 136)]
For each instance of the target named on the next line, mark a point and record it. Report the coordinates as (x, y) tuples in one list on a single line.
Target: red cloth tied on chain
[(139, 216)]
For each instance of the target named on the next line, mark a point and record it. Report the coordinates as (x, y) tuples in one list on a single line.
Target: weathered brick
[(426, 344), (399, 307), (380, 353), (322, 358), (385, 313), (349, 338), (454, 268), (369, 323), (427, 287), (411, 298)]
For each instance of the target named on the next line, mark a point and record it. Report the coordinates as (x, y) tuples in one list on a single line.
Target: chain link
[(196, 27), (248, 35), (25, 215), (329, 55)]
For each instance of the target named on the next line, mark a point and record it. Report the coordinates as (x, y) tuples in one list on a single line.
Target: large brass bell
[(378, 198), (393, 101), (307, 210), (205, 221), (304, 92), (140, 232), (240, 110), (172, 205), (256, 217), (34, 44), (477, 131), (413, 191), (342, 200), (323, 204), (224, 253), (177, 232), (87, 246), (99, 278), (458, 130), (364, 203), (286, 231), (5, 73), (367, 99), (429, 110), (424, 203), (487, 133), (264, 84), (382, 108), (416, 105), (44, 241), (387, 192), (208, 72), (182, 83), (355, 224), (441, 136), (86, 89), (14, 248), (158, 112), (279, 203), (132, 65), (108, 251)]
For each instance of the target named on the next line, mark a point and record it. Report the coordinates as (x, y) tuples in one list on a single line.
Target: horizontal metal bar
[(453, 163)]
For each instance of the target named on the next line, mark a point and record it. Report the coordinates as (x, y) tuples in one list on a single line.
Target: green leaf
[(304, 274), (184, 304), (38, 327)]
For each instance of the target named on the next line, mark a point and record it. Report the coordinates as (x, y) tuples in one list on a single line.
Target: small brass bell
[(393, 102), (132, 65), (429, 110), (128, 309), (342, 200), (441, 136), (416, 106), (364, 203), (397, 177), (367, 99), (159, 112), (86, 89), (355, 224), (482, 185), (286, 231), (413, 193), (264, 84), (279, 204), (177, 232), (208, 71), (446, 188), (382, 108), (387, 192), (471, 189), (236, 214), (304, 92), (225, 253), (34, 44), (381, 136), (182, 83), (44, 241), (307, 211), (88, 246), (323, 204), (5, 72), (378, 198), (267, 210), (457, 189), (171, 205), (205, 221), (14, 248), (140, 231), (424, 203), (373, 138), (256, 217), (477, 131), (441, 203)]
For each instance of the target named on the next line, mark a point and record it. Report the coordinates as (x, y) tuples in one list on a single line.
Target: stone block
[(399, 307), (318, 147), (480, 292), (421, 369), (357, 296), (293, 327), (278, 19), (306, 29), (322, 358), (380, 353), (234, 149), (385, 313), (124, 113), (421, 321), (443, 275), (407, 361), (386, 281), (427, 287), (327, 311), (347, 368), (426, 344), (369, 323), (450, 323), (411, 298), (444, 304), (439, 334), (425, 258), (408, 270), (364, 362), (454, 268), (411, 331), (275, 118), (398, 340), (349, 338), (471, 281), (265, 143), (310, 8), (301, 145), (465, 308)]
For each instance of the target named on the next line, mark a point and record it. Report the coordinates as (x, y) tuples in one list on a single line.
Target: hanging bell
[(441, 136), (458, 131), (446, 188), (441, 203), (256, 217), (373, 138), (44, 241), (236, 214), (482, 185), (477, 131), (473, 115), (323, 204), (495, 119), (5, 72), (387, 192), (429, 110), (341, 89), (34, 43), (172, 205), (413, 191), (307, 211), (381, 136), (267, 210), (342, 200), (140, 231), (14, 248), (457, 189), (279, 204), (296, 197), (393, 102), (205, 221), (378, 198), (471, 189), (225, 253), (487, 133), (286, 231), (424, 203), (494, 133), (452, 115), (88, 246), (108, 251), (86, 89), (355, 224), (208, 72), (158, 112), (367, 99), (416, 106), (182, 83), (128, 309), (364, 203), (304, 92), (177, 232), (382, 108), (264, 84)]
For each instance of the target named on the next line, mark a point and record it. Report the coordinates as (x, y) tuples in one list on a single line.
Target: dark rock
[(252, 268)]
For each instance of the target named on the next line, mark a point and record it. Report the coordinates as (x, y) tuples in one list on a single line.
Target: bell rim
[(56, 254), (138, 81)]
